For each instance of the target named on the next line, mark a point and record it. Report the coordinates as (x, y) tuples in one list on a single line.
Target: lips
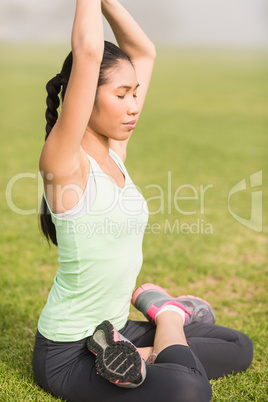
[(131, 124)]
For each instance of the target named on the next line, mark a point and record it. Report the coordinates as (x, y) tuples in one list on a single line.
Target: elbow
[(88, 49), (153, 52), (147, 57), (150, 51)]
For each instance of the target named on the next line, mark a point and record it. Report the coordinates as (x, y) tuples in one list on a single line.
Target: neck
[(96, 145)]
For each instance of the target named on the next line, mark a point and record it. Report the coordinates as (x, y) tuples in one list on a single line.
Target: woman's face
[(115, 111)]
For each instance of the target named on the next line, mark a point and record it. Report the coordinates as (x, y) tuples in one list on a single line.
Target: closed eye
[(123, 96), (128, 89)]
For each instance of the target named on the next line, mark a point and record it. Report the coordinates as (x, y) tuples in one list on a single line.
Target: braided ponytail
[(53, 88), (57, 86)]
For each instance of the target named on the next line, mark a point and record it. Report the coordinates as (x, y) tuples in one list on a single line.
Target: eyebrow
[(127, 87)]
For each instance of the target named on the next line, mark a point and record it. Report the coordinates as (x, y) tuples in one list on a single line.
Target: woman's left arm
[(134, 42)]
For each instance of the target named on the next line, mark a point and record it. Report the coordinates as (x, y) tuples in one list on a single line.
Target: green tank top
[(100, 256)]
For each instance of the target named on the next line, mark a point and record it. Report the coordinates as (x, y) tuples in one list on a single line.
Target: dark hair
[(57, 86)]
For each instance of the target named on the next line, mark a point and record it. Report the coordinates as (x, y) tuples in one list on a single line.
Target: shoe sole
[(116, 361)]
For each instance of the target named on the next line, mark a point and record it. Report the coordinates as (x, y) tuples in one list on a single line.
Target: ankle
[(168, 315)]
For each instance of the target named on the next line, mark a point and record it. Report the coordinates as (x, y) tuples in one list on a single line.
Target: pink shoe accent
[(116, 336), (146, 286), (153, 310), (122, 383)]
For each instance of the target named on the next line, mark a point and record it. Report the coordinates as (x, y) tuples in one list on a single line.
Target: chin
[(121, 136)]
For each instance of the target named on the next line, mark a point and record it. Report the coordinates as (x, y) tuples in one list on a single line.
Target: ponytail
[(53, 88)]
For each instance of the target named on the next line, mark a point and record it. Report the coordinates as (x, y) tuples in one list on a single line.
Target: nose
[(133, 107)]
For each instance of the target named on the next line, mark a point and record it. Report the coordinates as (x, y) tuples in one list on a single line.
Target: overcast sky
[(240, 23)]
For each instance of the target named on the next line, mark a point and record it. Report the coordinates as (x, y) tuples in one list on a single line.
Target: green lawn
[(204, 125)]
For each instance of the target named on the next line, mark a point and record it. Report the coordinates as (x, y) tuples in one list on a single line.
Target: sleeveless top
[(100, 256)]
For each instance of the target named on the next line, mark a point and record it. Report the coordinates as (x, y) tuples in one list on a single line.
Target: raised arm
[(134, 42), (60, 154)]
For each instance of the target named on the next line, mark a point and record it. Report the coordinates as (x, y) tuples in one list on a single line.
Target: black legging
[(67, 369), (221, 350)]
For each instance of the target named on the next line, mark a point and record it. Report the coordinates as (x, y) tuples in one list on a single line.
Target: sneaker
[(150, 299), (117, 359)]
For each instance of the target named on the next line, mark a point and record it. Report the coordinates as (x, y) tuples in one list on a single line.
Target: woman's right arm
[(60, 154)]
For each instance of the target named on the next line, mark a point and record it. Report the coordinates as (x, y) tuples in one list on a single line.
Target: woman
[(86, 349)]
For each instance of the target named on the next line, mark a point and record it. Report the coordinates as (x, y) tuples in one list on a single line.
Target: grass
[(204, 124)]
